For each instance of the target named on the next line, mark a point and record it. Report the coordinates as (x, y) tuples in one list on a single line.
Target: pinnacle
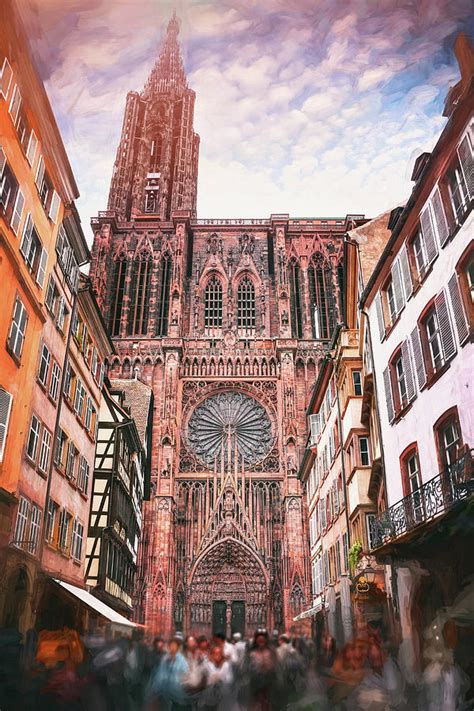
[(173, 26), (168, 71)]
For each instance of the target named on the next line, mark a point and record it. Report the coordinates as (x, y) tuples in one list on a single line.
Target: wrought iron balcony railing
[(436, 497)]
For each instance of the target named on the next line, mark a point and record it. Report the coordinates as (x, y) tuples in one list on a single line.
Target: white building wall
[(454, 387)]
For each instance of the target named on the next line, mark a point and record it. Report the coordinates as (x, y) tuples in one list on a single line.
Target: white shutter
[(40, 173), (5, 78), (466, 160), (31, 150), (27, 236), (388, 395), (42, 268), (408, 371), (428, 234), (380, 318), (406, 271), (397, 286), (5, 408), (440, 217), (15, 104), (3, 161), (418, 357), (17, 211), (54, 207), (447, 338), (101, 375), (462, 325), (313, 424)]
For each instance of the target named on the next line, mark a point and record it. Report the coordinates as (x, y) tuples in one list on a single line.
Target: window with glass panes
[(213, 304), (45, 361), (77, 539), (45, 450), (71, 460), (21, 525), (364, 451), (450, 441), (51, 515), (419, 252), (434, 340), (35, 520), (63, 530), (246, 305), (401, 381), (55, 380), (16, 336), (33, 438), (357, 382)]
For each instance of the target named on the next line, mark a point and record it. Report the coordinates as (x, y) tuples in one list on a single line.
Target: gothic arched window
[(213, 304), (140, 296), (322, 298), (296, 315), (246, 305), (118, 290), (163, 303)]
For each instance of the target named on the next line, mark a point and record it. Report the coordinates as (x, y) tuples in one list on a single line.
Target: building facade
[(121, 482), (53, 344), (420, 315), (226, 321), (37, 193)]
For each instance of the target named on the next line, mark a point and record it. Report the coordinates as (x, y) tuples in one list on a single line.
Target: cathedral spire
[(168, 72)]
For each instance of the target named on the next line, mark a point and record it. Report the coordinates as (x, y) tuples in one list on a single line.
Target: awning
[(95, 604), (312, 612)]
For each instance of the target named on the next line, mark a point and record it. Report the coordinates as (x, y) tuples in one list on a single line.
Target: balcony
[(436, 497)]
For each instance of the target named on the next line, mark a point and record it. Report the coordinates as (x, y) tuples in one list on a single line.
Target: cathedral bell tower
[(155, 170)]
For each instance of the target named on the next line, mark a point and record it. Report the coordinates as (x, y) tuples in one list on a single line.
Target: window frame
[(448, 417)]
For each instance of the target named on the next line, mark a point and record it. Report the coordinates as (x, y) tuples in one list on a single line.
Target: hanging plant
[(354, 555)]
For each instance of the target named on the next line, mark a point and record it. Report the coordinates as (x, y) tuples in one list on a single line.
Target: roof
[(138, 398)]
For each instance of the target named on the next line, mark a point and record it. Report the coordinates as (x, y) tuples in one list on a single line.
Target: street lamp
[(369, 574)]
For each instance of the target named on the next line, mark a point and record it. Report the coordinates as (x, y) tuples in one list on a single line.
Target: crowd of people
[(276, 671)]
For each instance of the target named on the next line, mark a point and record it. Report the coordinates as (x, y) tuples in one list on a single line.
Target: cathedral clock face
[(226, 422)]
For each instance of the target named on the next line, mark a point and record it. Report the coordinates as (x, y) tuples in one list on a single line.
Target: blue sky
[(312, 107)]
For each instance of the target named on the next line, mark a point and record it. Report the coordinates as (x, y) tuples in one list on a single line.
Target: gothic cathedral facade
[(226, 320)]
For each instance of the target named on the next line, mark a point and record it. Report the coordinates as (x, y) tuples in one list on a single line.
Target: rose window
[(227, 424)]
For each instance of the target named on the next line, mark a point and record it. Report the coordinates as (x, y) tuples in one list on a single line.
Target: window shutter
[(17, 211), (408, 371), (440, 217), (5, 407), (460, 319), (27, 236), (406, 272), (31, 150), (42, 268), (6, 76), (40, 173), (380, 318), (54, 207), (418, 357), (3, 162), (428, 234), (388, 395), (447, 338), (397, 285), (466, 160)]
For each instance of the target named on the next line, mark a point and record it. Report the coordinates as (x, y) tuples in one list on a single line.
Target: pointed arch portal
[(228, 589)]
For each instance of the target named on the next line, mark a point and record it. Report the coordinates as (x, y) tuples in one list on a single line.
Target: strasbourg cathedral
[(226, 320)]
